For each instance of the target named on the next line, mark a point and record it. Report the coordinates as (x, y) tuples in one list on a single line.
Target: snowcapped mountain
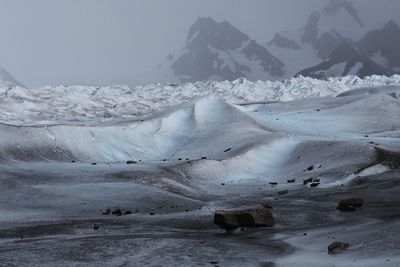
[(337, 23), (338, 20), (343, 61), (382, 46), (219, 51)]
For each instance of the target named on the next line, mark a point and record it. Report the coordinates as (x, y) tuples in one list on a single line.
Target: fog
[(48, 42)]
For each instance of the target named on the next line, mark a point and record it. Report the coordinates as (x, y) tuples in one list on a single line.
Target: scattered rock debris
[(350, 204), (117, 212)]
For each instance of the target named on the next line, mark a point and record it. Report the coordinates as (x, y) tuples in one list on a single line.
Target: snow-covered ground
[(199, 147)]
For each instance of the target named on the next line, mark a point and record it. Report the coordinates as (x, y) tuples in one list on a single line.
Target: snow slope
[(226, 128)]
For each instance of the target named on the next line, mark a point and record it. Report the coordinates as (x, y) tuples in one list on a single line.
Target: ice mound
[(206, 126)]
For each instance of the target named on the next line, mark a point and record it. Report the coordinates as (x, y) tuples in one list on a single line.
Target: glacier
[(192, 149), (74, 104)]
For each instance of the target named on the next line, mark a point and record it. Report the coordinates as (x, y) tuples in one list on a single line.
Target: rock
[(96, 227), (231, 220), (310, 168), (336, 247), (94, 163), (273, 183), (107, 212), (117, 212), (314, 184), (203, 157), (291, 181), (350, 204), (227, 150), (131, 162), (127, 212), (283, 192), (307, 181)]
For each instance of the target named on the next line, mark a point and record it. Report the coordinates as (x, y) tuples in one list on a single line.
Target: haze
[(100, 42)]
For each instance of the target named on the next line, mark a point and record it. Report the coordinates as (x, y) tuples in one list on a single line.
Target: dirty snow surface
[(196, 148)]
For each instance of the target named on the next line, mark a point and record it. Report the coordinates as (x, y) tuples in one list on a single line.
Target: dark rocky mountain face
[(325, 30), (345, 60), (383, 45), (335, 6), (321, 36), (219, 51)]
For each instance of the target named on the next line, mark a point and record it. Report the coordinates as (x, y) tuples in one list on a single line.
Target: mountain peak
[(382, 45), (206, 29), (219, 51), (335, 6), (391, 26)]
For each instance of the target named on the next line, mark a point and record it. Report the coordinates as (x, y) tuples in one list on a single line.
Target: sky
[(101, 42)]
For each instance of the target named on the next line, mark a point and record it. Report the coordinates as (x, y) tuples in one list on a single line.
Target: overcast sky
[(108, 41)]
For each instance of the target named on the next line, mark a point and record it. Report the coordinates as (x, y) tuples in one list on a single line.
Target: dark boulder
[(117, 212), (231, 220), (307, 181), (350, 204), (337, 247)]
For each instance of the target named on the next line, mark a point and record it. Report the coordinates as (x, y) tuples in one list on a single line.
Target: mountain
[(7, 79), (345, 60), (337, 23), (382, 46), (219, 51)]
